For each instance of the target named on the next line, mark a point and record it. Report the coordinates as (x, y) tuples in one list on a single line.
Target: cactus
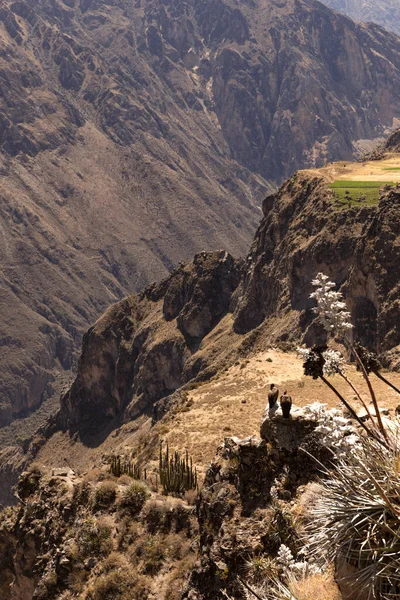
[(177, 474), (125, 467)]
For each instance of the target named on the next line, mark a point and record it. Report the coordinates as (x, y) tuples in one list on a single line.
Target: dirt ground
[(371, 170), (233, 403)]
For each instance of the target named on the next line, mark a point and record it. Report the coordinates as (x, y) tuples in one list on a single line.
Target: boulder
[(287, 434)]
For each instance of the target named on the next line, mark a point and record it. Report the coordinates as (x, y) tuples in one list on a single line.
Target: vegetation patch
[(134, 497), (357, 193)]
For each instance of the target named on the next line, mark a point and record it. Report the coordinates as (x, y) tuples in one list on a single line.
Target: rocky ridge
[(171, 119)]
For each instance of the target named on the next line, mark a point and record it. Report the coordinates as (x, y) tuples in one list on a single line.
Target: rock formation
[(145, 347), (300, 235)]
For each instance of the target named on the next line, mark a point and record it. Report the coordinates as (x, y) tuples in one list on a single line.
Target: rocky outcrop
[(300, 235), (237, 518), (285, 434), (391, 144), (12, 461), (142, 349)]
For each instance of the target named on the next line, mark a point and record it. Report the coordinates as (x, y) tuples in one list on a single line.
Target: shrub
[(178, 576), (356, 520), (29, 482), (158, 516), (81, 493), (119, 585), (94, 538), (114, 561), (260, 568), (134, 497), (191, 497), (124, 480), (105, 494), (152, 552), (128, 532)]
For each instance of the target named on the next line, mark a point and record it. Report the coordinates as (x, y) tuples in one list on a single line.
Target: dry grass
[(316, 587), (233, 403)]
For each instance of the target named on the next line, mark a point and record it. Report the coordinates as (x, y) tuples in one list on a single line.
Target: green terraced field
[(346, 192), (391, 169)]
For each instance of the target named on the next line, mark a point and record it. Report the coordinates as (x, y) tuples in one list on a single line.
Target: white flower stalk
[(303, 353), (285, 557), (274, 493), (334, 363), (331, 308), (337, 432)]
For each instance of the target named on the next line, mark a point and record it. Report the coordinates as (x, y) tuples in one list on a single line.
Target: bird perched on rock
[(273, 395), (272, 401), (286, 404)]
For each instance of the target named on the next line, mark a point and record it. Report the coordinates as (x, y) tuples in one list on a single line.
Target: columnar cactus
[(120, 467), (177, 474)]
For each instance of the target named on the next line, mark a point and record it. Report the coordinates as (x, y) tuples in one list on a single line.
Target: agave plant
[(356, 520)]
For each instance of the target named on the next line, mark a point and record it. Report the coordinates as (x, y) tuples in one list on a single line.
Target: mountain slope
[(383, 12), (134, 136), (146, 353), (209, 313)]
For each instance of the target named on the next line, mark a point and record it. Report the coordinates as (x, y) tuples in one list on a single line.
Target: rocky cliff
[(148, 346), (135, 135), (301, 234), (208, 313)]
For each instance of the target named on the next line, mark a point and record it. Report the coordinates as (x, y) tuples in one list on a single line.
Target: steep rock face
[(383, 12), (134, 136), (300, 235), (141, 350), (391, 144), (108, 179), (373, 286)]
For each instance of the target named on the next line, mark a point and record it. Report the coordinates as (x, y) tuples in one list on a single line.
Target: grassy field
[(356, 193)]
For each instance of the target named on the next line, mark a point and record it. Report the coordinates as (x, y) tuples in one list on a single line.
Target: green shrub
[(134, 497), (152, 552), (94, 538)]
